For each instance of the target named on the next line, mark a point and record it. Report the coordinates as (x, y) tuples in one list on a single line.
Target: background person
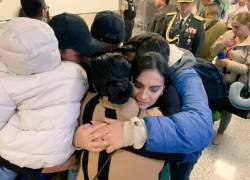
[(201, 8), (236, 45), (129, 15), (183, 28), (234, 9), (145, 10), (248, 5), (156, 25), (36, 9), (214, 28)]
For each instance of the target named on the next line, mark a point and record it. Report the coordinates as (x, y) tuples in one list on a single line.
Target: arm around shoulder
[(187, 131)]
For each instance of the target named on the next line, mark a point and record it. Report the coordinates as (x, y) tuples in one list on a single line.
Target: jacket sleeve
[(169, 102), (237, 67), (187, 131), (7, 107), (219, 44), (198, 41)]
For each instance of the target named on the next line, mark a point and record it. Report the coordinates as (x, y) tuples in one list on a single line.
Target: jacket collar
[(175, 54), (230, 35), (246, 42)]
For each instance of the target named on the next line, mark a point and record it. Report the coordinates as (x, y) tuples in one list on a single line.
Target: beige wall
[(10, 8), (88, 18), (81, 6)]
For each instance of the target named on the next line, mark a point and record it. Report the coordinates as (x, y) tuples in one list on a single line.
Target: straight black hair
[(151, 61), (148, 42)]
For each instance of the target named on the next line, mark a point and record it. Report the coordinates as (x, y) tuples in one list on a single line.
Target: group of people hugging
[(220, 45), (70, 96)]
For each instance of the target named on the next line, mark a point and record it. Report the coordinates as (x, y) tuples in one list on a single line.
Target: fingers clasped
[(89, 137)]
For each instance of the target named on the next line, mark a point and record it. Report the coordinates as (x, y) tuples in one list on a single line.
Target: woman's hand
[(230, 43), (222, 62), (71, 162), (88, 137), (114, 134)]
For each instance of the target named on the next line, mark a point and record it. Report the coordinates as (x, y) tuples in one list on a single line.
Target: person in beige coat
[(214, 28), (110, 74), (236, 44)]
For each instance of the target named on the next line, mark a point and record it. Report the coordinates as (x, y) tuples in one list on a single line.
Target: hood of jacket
[(180, 60), (28, 46)]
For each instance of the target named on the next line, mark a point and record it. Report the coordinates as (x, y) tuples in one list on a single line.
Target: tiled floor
[(231, 159)]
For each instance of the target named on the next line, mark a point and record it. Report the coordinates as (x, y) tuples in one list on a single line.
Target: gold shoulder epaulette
[(171, 13), (198, 17)]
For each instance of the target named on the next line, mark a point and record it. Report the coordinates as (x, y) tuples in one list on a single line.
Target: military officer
[(163, 6), (185, 29)]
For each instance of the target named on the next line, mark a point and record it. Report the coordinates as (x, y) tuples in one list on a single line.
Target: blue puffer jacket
[(188, 131)]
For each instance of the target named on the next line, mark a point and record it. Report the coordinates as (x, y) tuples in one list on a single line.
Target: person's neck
[(242, 38), (161, 7), (184, 15), (142, 113), (211, 17)]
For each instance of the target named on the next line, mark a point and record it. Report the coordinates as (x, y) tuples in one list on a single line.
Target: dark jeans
[(40, 176), (224, 121), (181, 171)]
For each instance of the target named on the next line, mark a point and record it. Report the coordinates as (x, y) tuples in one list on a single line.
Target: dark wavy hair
[(110, 76), (146, 42), (32, 8), (168, 102), (151, 61)]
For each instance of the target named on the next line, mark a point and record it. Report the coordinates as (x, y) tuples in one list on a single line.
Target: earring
[(162, 90)]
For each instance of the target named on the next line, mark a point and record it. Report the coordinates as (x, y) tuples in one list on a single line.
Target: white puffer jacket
[(39, 96)]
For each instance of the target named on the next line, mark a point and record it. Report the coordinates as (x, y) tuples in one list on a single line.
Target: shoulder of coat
[(199, 18), (171, 13)]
